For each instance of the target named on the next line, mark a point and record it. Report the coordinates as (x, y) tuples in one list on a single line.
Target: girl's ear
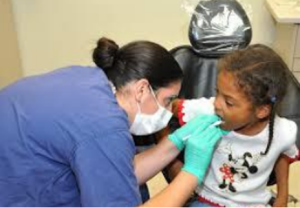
[(263, 111)]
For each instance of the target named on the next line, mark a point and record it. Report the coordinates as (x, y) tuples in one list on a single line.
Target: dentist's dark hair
[(135, 61)]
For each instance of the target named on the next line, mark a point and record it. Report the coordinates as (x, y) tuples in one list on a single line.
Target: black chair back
[(290, 107), (217, 27)]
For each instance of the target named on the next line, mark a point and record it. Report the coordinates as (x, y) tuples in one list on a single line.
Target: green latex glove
[(199, 151), (198, 124)]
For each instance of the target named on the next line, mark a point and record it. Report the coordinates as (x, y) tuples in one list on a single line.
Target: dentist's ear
[(141, 88)]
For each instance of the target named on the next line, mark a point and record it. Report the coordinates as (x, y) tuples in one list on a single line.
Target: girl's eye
[(230, 104)]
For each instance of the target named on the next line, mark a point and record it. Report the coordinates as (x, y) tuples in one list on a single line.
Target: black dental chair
[(219, 27)]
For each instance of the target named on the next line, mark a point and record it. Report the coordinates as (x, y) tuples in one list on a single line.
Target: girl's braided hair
[(261, 75)]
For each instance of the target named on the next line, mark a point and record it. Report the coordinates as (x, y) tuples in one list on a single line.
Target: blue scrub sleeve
[(104, 170)]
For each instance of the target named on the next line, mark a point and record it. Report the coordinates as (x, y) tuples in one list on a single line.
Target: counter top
[(285, 11)]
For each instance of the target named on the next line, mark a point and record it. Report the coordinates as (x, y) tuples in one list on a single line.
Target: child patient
[(250, 86)]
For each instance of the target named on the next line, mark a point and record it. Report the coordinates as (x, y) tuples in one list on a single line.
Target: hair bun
[(105, 53)]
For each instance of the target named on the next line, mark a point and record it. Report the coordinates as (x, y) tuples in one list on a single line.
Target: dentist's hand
[(199, 151), (193, 127)]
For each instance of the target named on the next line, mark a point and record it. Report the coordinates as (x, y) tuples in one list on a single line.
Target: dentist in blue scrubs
[(65, 136)]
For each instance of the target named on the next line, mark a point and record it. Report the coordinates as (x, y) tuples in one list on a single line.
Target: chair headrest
[(219, 26)]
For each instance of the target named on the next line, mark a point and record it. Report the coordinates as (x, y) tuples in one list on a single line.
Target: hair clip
[(273, 99)]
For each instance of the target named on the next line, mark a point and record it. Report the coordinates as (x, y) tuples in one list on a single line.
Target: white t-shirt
[(239, 173)]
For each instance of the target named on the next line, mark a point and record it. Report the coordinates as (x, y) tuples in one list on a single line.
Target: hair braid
[(271, 128)]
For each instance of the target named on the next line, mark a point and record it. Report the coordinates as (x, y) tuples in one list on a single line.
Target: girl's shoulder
[(285, 124), (187, 109), (285, 129)]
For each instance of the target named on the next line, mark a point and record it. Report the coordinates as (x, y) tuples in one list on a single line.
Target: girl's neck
[(252, 129)]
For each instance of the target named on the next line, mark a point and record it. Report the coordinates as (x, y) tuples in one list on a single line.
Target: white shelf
[(285, 11)]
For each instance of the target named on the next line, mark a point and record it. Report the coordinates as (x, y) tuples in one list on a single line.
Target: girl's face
[(234, 108)]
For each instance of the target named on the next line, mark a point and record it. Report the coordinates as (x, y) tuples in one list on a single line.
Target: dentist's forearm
[(152, 161), (176, 193)]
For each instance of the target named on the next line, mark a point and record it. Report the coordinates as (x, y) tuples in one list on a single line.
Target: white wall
[(10, 65), (55, 33), (262, 22)]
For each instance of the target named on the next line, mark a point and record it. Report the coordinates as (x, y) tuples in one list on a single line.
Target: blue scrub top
[(64, 141)]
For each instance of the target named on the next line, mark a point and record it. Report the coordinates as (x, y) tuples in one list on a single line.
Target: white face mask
[(145, 124)]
